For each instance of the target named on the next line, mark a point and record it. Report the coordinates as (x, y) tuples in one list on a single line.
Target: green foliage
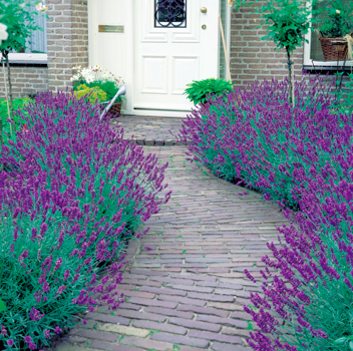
[(286, 22), (343, 103), (339, 22), (199, 91), (18, 105), (93, 94), (20, 22), (110, 88)]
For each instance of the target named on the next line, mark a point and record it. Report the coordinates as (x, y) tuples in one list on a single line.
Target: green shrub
[(199, 91), (18, 106), (93, 94)]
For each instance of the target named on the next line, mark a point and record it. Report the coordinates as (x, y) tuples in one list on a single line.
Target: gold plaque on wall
[(110, 29)]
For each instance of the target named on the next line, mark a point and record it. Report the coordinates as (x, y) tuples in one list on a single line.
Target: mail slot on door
[(110, 29)]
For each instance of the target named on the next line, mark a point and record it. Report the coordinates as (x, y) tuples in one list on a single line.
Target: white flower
[(89, 79), (96, 68), (41, 8), (3, 33), (338, 12), (85, 72), (73, 78)]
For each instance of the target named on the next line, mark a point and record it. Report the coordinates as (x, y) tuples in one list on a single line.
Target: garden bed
[(301, 158), (77, 193)]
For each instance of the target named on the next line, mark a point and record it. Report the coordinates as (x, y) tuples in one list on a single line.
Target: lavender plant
[(73, 192), (303, 156)]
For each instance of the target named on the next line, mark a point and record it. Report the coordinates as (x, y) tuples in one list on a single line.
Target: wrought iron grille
[(170, 13)]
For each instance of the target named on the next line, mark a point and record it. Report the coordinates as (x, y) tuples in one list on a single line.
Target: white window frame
[(28, 58), (328, 64)]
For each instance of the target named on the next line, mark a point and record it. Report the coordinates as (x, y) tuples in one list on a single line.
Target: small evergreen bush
[(199, 91)]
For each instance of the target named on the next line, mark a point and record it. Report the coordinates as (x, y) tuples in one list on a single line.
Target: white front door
[(168, 56)]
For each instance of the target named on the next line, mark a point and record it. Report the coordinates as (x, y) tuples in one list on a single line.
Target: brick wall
[(67, 40), (26, 79), (67, 29), (252, 58)]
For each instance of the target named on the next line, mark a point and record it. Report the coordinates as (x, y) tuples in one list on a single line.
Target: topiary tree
[(286, 23), (19, 19)]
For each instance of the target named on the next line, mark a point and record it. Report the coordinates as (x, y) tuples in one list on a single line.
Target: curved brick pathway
[(186, 289)]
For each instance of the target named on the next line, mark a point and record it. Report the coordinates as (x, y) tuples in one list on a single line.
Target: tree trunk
[(12, 117), (6, 92), (289, 63)]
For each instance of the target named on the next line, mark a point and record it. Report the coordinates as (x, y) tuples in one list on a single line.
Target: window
[(313, 52), (170, 13), (36, 45)]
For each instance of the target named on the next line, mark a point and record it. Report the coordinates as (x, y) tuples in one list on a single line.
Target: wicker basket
[(115, 109), (334, 49)]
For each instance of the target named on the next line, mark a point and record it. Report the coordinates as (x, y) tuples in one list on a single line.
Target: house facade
[(156, 51)]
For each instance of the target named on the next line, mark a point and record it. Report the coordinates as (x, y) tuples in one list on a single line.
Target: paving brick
[(190, 348), (129, 306), (95, 334), (191, 288), (147, 343), (184, 300), (215, 337), (64, 346), (170, 312), (226, 306), (164, 291), (180, 340), (143, 282), (144, 272), (143, 294), (217, 346), (158, 303), (121, 329), (108, 318), (204, 310), (160, 327), (211, 297), (102, 345), (241, 315), (195, 324), (141, 315), (223, 321)]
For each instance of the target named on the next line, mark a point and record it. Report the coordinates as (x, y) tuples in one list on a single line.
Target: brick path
[(185, 284), (150, 130)]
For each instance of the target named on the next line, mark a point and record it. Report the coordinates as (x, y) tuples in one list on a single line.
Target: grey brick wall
[(252, 58), (67, 40), (26, 79), (67, 30)]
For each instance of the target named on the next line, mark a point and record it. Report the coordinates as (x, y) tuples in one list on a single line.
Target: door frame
[(128, 74)]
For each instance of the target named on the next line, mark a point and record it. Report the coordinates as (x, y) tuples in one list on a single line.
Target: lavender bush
[(303, 157), (73, 192)]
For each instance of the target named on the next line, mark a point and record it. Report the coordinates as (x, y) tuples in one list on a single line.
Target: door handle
[(203, 10)]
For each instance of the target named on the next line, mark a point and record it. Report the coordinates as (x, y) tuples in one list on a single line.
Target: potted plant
[(96, 77), (199, 91), (335, 33)]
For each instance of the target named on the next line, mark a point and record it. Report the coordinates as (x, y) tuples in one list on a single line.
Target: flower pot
[(334, 49)]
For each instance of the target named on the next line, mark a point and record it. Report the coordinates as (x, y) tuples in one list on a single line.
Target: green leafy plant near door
[(199, 91)]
